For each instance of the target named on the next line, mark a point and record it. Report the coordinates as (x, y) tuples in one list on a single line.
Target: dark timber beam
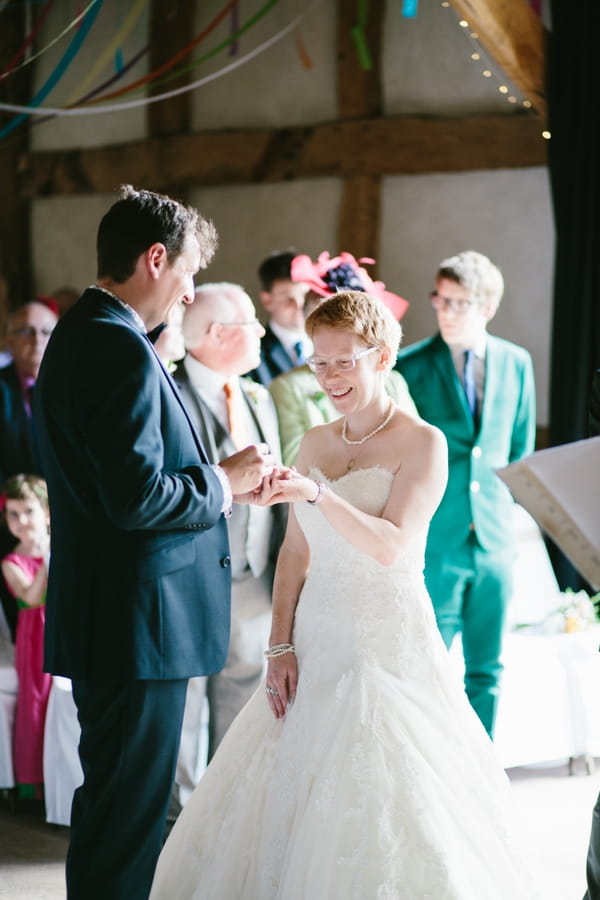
[(15, 248), (171, 24), (359, 96), (394, 145)]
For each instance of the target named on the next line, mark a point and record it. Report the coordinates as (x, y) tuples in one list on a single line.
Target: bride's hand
[(269, 491), (297, 487), (282, 680)]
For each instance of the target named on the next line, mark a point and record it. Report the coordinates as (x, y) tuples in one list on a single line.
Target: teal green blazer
[(476, 500)]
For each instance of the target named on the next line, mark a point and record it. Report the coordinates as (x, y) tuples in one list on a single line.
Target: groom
[(138, 593)]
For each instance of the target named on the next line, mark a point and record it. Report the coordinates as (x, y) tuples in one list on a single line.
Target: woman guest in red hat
[(300, 402)]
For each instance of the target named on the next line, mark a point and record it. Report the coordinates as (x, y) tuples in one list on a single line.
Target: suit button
[(472, 526), (226, 562), (476, 452)]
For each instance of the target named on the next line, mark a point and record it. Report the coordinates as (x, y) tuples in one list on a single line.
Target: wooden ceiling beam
[(359, 96), (394, 145), (359, 90), (516, 39), (16, 273), (170, 27)]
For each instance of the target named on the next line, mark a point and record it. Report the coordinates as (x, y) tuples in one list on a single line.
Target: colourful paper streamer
[(362, 49), (55, 40), (62, 66), (137, 88), (28, 40), (145, 101), (409, 8), (105, 57), (303, 53)]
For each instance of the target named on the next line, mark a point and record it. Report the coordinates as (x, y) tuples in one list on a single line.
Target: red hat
[(50, 302), (329, 275)]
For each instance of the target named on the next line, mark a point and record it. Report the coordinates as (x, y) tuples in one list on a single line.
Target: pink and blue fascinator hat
[(329, 275)]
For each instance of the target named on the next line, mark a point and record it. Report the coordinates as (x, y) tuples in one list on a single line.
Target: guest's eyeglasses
[(28, 331), (460, 306), (319, 365), (251, 323)]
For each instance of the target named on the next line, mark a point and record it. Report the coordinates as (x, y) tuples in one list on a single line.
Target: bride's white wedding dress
[(379, 783)]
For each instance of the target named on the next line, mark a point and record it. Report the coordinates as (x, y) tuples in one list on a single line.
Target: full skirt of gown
[(380, 782)]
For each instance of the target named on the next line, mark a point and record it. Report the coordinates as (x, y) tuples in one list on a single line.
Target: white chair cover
[(62, 769)]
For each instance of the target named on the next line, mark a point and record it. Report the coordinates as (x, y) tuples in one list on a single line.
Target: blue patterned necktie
[(468, 381), (299, 351)]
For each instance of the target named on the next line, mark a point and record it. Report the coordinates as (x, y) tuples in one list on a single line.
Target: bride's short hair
[(363, 314)]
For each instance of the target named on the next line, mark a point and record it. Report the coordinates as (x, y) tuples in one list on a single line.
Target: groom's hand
[(269, 491), (247, 469)]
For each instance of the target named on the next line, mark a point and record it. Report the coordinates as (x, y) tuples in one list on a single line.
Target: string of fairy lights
[(488, 69), (84, 102)]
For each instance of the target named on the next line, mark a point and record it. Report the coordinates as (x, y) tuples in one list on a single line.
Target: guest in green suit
[(479, 390)]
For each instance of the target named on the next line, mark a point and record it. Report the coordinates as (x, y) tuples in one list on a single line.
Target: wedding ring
[(273, 692)]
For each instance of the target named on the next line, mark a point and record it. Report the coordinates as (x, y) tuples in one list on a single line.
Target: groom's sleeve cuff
[(227, 492)]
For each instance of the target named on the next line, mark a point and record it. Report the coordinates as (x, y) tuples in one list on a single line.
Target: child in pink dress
[(24, 505)]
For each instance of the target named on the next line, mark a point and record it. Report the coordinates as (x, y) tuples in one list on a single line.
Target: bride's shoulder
[(419, 434)]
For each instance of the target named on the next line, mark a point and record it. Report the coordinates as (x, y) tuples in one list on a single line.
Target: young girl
[(24, 505)]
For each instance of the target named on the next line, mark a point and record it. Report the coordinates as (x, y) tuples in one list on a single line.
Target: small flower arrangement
[(254, 390), (577, 611)]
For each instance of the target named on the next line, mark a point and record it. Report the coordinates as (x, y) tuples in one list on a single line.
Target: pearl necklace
[(368, 436)]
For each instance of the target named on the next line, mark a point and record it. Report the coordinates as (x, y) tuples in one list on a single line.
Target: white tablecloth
[(548, 707)]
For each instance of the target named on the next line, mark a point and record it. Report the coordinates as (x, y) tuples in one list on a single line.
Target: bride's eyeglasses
[(319, 364)]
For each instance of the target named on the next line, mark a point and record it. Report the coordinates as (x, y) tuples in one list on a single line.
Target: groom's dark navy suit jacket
[(139, 572)]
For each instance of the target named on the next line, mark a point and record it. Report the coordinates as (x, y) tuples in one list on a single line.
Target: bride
[(359, 771)]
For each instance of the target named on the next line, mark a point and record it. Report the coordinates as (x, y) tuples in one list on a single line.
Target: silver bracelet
[(320, 492), (279, 650)]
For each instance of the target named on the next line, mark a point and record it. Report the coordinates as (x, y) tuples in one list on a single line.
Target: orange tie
[(236, 416)]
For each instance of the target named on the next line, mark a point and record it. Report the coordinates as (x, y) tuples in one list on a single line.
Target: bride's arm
[(417, 489), (290, 574)]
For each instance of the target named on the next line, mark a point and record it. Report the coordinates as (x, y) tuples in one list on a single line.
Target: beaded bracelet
[(279, 650), (320, 491)]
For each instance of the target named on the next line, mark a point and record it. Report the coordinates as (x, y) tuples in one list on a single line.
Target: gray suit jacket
[(255, 533)]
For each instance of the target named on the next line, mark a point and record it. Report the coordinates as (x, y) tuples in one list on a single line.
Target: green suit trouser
[(470, 589)]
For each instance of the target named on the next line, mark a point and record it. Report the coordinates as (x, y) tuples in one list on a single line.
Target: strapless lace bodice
[(367, 490), (353, 609)]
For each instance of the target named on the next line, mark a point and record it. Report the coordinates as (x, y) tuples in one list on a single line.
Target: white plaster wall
[(505, 214), (64, 240), (274, 88), (254, 220)]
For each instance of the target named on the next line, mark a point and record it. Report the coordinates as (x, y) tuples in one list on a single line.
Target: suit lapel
[(493, 376)]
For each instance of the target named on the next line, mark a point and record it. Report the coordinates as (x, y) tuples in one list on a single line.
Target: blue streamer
[(61, 68), (409, 8)]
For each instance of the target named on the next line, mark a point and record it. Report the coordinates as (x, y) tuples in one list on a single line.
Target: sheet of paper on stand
[(560, 487)]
